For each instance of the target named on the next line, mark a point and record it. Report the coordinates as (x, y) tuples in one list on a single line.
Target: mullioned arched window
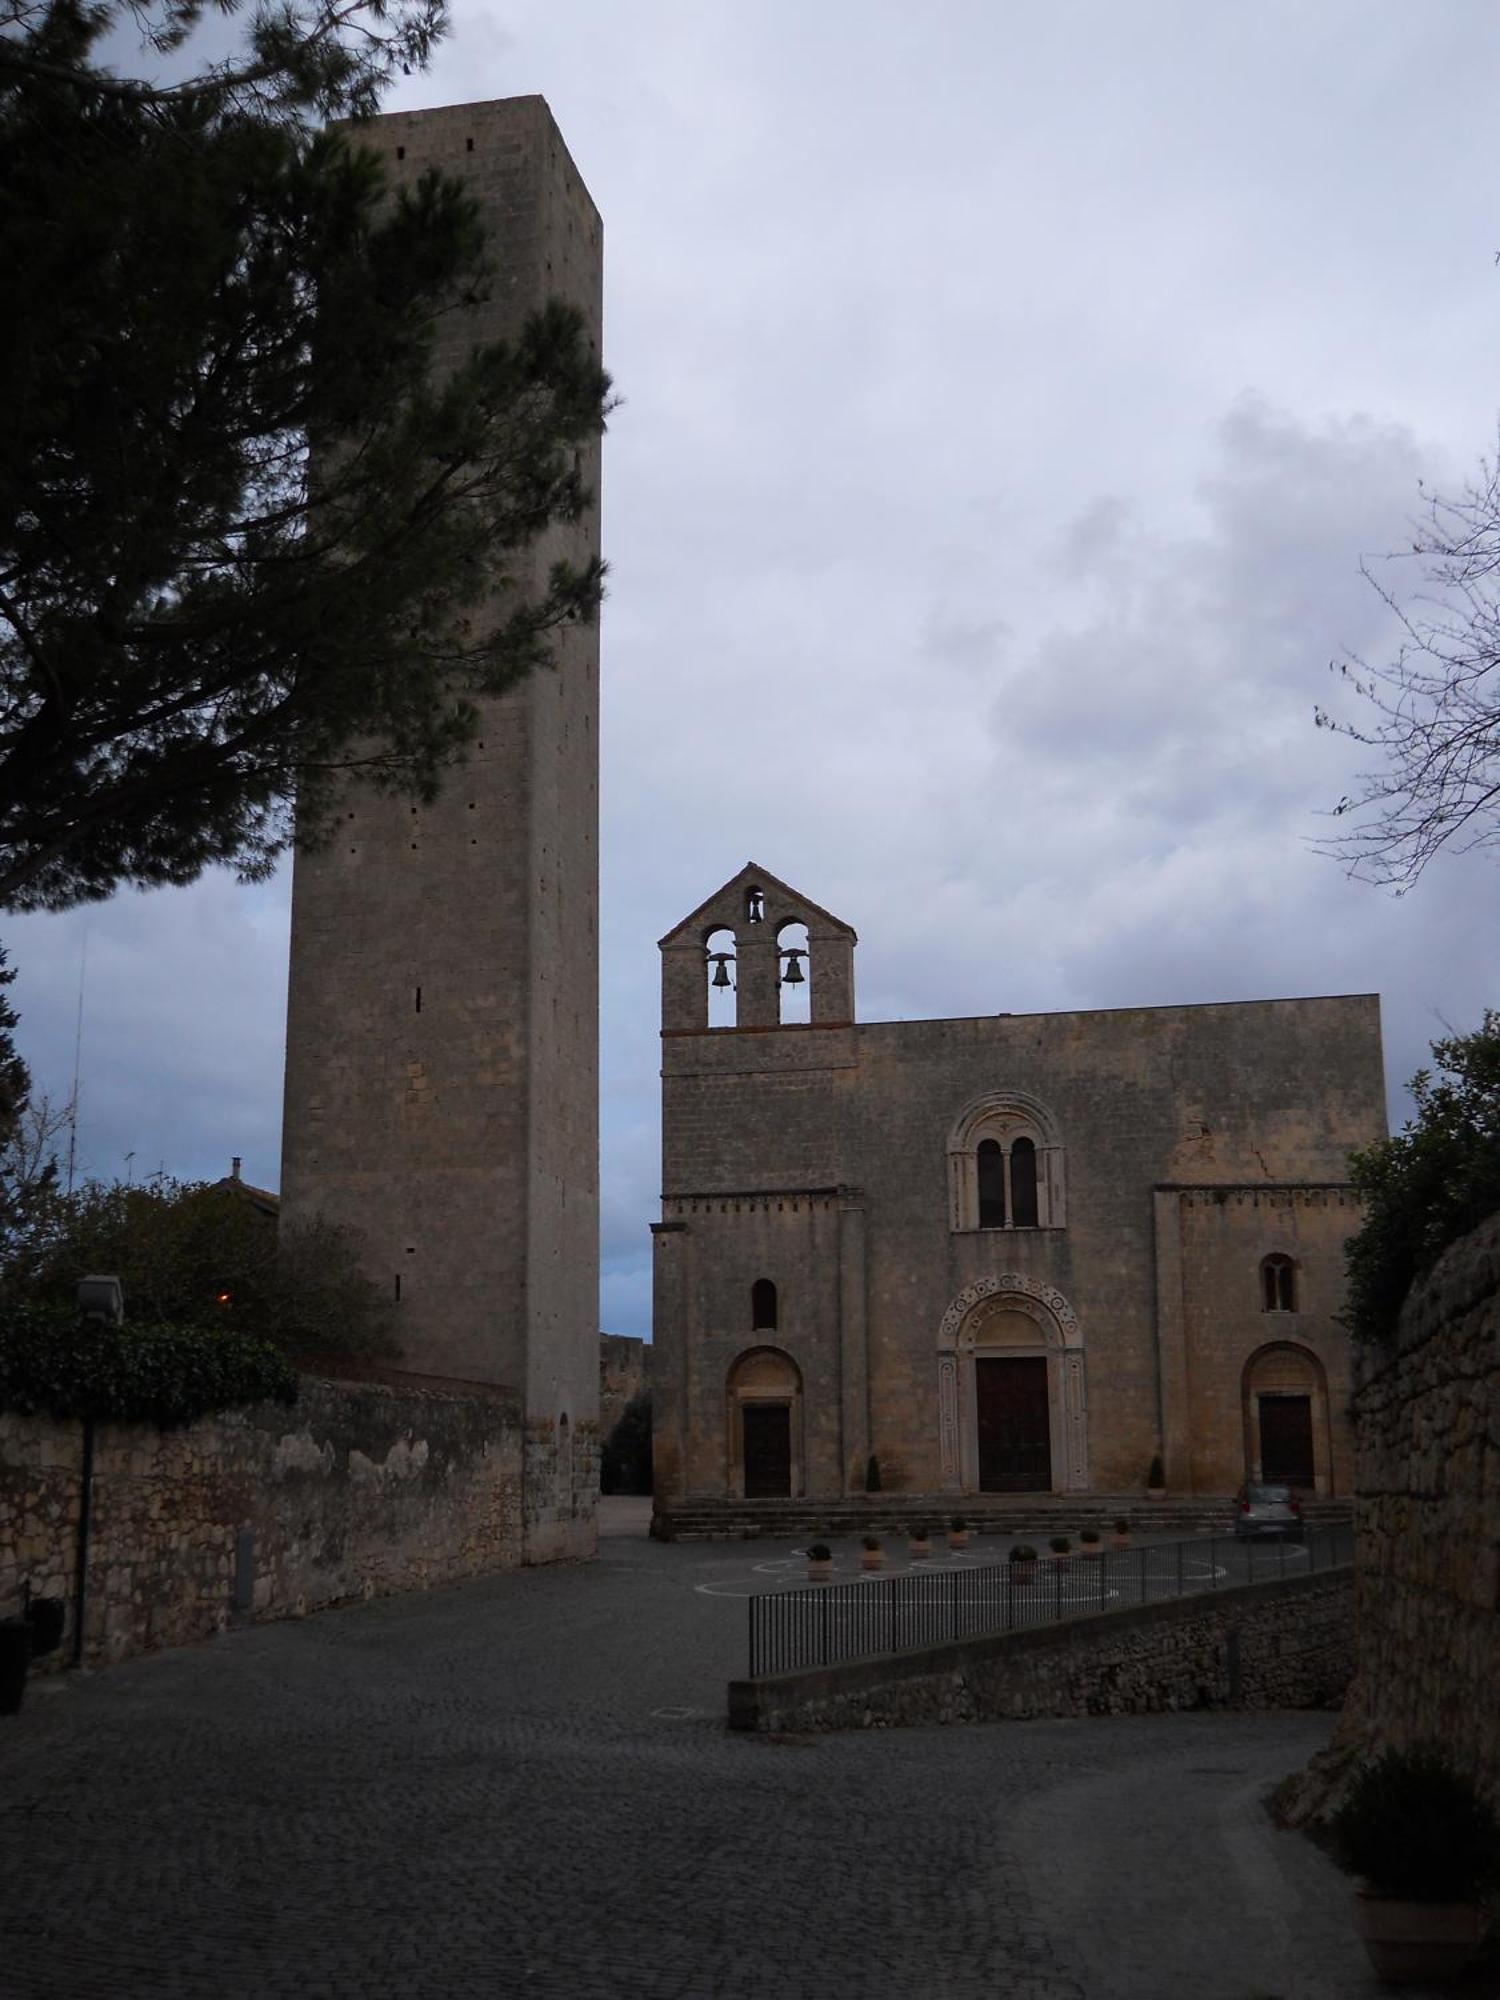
[(1005, 1166)]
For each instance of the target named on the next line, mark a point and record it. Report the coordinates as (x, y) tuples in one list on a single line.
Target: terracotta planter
[(1156, 1492), (917, 1550), (820, 1572), (1119, 1543), (1022, 1572), (1090, 1549), (872, 1559), (958, 1538), (1412, 1944)]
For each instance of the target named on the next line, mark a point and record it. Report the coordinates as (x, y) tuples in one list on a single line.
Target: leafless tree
[(1433, 711)]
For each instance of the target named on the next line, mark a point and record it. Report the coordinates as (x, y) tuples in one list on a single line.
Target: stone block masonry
[(1265, 1645), (442, 1011), (360, 1489)]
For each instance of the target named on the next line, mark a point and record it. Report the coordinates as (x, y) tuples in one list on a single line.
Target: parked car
[(1269, 1510)]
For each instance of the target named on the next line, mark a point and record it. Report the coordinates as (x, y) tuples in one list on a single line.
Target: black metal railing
[(952, 1597)]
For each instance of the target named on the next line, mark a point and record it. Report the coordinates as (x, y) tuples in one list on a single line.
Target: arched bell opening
[(764, 1398), (721, 974), (793, 975)]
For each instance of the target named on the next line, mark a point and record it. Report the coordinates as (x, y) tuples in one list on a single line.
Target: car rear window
[(1270, 1492)]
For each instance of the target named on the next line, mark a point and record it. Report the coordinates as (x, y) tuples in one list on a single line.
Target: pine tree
[(211, 288)]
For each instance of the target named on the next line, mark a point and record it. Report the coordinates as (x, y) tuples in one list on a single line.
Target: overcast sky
[(1009, 396)]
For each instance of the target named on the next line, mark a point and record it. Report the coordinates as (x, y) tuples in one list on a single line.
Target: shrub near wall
[(362, 1488)]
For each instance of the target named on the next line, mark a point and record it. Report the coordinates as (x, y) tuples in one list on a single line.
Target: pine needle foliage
[(252, 536)]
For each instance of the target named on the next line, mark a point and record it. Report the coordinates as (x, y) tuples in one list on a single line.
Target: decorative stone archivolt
[(1011, 1292), (1010, 1312)]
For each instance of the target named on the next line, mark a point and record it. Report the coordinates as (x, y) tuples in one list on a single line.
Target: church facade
[(1012, 1255)]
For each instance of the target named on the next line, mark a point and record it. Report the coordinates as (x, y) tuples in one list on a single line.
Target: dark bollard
[(15, 1655)]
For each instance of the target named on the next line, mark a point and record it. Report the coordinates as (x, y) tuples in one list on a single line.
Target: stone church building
[(1008, 1255)]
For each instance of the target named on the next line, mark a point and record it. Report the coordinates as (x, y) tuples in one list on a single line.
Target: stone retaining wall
[(1264, 1645), (360, 1489), (1427, 1420)]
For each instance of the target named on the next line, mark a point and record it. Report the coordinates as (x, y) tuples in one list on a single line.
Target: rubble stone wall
[(1427, 1425), (1268, 1645), (358, 1490)]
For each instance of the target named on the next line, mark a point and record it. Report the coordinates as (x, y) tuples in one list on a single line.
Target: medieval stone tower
[(442, 1030)]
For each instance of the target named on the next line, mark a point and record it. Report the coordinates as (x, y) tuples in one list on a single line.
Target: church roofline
[(752, 872)]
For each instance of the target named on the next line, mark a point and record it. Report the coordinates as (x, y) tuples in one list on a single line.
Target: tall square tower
[(442, 1028)]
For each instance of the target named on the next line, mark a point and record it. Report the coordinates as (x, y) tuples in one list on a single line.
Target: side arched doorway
[(1012, 1395), (1284, 1396), (764, 1396)]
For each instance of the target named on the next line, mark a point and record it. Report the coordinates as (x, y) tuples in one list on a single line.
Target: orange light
[(223, 1298)]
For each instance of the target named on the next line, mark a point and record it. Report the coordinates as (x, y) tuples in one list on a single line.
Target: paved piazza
[(523, 1786)]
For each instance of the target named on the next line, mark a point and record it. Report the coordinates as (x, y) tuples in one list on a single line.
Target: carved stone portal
[(1011, 1315)]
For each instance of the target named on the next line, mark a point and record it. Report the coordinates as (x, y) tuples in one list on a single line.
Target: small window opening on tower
[(400, 152), (398, 1288), (468, 145), (755, 906), (419, 1000), (763, 1306)]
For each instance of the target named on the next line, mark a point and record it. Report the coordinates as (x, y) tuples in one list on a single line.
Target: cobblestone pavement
[(523, 1786)]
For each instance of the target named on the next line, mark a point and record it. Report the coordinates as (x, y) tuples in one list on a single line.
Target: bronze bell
[(793, 974), (720, 963)]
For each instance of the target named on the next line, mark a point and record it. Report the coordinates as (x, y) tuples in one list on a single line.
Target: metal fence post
[(1179, 1569)]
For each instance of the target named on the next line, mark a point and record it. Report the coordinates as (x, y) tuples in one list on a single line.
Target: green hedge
[(53, 1363)]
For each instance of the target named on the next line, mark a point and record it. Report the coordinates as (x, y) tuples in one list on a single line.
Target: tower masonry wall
[(442, 1040)]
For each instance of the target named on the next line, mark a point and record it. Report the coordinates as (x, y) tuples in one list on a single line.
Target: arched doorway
[(1285, 1409), (1012, 1402), (764, 1393)]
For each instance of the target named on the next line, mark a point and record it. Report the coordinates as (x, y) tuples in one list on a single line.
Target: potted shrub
[(1156, 1479), (921, 1540), (1061, 1547), (958, 1532), (1121, 1536), (1427, 1846), (1022, 1562), (871, 1555), (819, 1563), (1088, 1541)]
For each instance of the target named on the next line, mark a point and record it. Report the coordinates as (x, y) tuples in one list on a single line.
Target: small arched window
[(991, 1164), (1023, 1183), (763, 1306), (1278, 1284)]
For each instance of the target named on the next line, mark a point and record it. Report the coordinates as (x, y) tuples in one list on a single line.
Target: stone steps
[(986, 1514)]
